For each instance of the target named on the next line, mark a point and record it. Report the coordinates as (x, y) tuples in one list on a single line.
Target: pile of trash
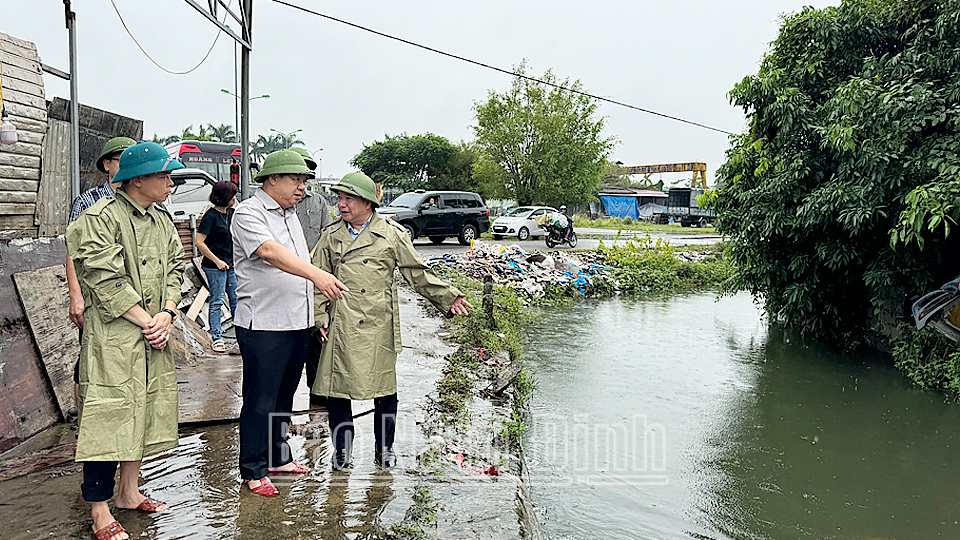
[(529, 272)]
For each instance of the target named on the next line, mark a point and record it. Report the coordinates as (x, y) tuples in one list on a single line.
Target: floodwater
[(200, 480), (686, 417)]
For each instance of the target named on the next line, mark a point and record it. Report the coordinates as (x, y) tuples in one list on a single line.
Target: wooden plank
[(16, 222), (56, 192), (508, 372), (197, 304), (13, 172), (19, 46), (16, 209), (26, 401), (37, 461), (46, 302), (23, 74), (33, 126), (13, 234), (25, 111), (18, 185), (17, 197), (17, 160), (24, 147), (28, 97), (22, 86)]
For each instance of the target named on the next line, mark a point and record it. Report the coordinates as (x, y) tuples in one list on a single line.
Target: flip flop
[(265, 489), (112, 529), (150, 506), (297, 469)]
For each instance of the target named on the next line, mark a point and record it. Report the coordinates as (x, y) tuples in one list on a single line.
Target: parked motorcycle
[(555, 237)]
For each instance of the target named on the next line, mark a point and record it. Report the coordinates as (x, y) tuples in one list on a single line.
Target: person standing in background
[(108, 163), (216, 244), (314, 214)]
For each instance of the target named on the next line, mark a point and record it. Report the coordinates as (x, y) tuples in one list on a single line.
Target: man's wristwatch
[(173, 314)]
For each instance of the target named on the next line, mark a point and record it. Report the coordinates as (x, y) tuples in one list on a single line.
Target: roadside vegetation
[(629, 224)]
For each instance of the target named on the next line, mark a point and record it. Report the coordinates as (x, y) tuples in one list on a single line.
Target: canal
[(686, 417)]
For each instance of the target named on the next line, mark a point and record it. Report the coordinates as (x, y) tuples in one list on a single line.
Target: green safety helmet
[(359, 184), (113, 146), (283, 162), (311, 164), (145, 158)]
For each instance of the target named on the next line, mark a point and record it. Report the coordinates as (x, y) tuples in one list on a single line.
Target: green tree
[(418, 162), (222, 133), (853, 117), (541, 144), (265, 146)]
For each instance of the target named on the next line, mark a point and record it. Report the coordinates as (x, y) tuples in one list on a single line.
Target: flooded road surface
[(200, 479), (684, 417)]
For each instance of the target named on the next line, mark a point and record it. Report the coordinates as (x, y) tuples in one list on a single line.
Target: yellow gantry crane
[(699, 179)]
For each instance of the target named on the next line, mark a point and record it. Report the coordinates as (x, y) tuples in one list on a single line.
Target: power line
[(145, 53), (501, 70)]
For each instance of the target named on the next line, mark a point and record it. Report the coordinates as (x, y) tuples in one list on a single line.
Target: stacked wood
[(24, 102)]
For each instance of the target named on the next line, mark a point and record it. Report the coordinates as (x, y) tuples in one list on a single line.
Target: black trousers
[(341, 421), (272, 365), (313, 356), (99, 479)]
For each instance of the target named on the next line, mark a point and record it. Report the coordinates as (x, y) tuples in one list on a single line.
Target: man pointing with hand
[(274, 316), (362, 329)]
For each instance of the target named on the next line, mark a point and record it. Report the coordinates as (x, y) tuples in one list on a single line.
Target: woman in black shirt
[(216, 244)]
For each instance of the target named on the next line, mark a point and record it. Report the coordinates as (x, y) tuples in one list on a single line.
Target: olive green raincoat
[(359, 360), (128, 390)]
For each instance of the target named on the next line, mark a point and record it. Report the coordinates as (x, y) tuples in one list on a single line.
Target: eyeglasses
[(298, 180)]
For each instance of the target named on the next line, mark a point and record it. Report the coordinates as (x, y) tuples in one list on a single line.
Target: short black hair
[(223, 192)]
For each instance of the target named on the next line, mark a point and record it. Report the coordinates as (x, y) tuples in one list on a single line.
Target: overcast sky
[(345, 88)]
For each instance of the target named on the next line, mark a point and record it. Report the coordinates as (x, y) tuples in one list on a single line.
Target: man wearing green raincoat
[(129, 262), (362, 330)]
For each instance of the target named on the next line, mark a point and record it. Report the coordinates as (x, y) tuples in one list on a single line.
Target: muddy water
[(685, 417), (200, 480)]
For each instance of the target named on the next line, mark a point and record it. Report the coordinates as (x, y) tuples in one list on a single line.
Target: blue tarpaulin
[(621, 207)]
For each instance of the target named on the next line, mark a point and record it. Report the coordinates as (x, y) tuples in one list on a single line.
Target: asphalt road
[(428, 249)]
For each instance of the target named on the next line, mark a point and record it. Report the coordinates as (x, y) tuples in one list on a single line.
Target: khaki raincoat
[(128, 390), (359, 359)]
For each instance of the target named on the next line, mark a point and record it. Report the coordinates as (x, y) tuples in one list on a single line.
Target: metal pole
[(236, 91), (71, 20), (245, 100)]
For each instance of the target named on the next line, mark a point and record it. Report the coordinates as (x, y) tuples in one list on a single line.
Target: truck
[(682, 206)]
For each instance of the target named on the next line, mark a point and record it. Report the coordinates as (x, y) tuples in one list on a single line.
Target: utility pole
[(245, 39), (71, 20), (245, 178)]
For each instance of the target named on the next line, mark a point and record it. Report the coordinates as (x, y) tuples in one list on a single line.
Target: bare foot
[(103, 518)]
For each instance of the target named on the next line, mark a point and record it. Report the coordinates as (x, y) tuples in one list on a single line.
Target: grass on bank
[(479, 342), (929, 360), (630, 224)]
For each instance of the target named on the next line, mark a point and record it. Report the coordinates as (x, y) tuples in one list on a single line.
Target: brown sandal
[(111, 530), (150, 505)]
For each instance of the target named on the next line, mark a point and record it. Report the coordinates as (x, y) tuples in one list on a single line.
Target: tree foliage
[(540, 144), (838, 197), (427, 161)]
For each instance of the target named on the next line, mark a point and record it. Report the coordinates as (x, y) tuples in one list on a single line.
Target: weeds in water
[(420, 517), (929, 360), (643, 265), (512, 432)]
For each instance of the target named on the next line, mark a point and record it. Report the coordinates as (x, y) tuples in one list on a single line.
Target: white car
[(190, 194), (519, 222)]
